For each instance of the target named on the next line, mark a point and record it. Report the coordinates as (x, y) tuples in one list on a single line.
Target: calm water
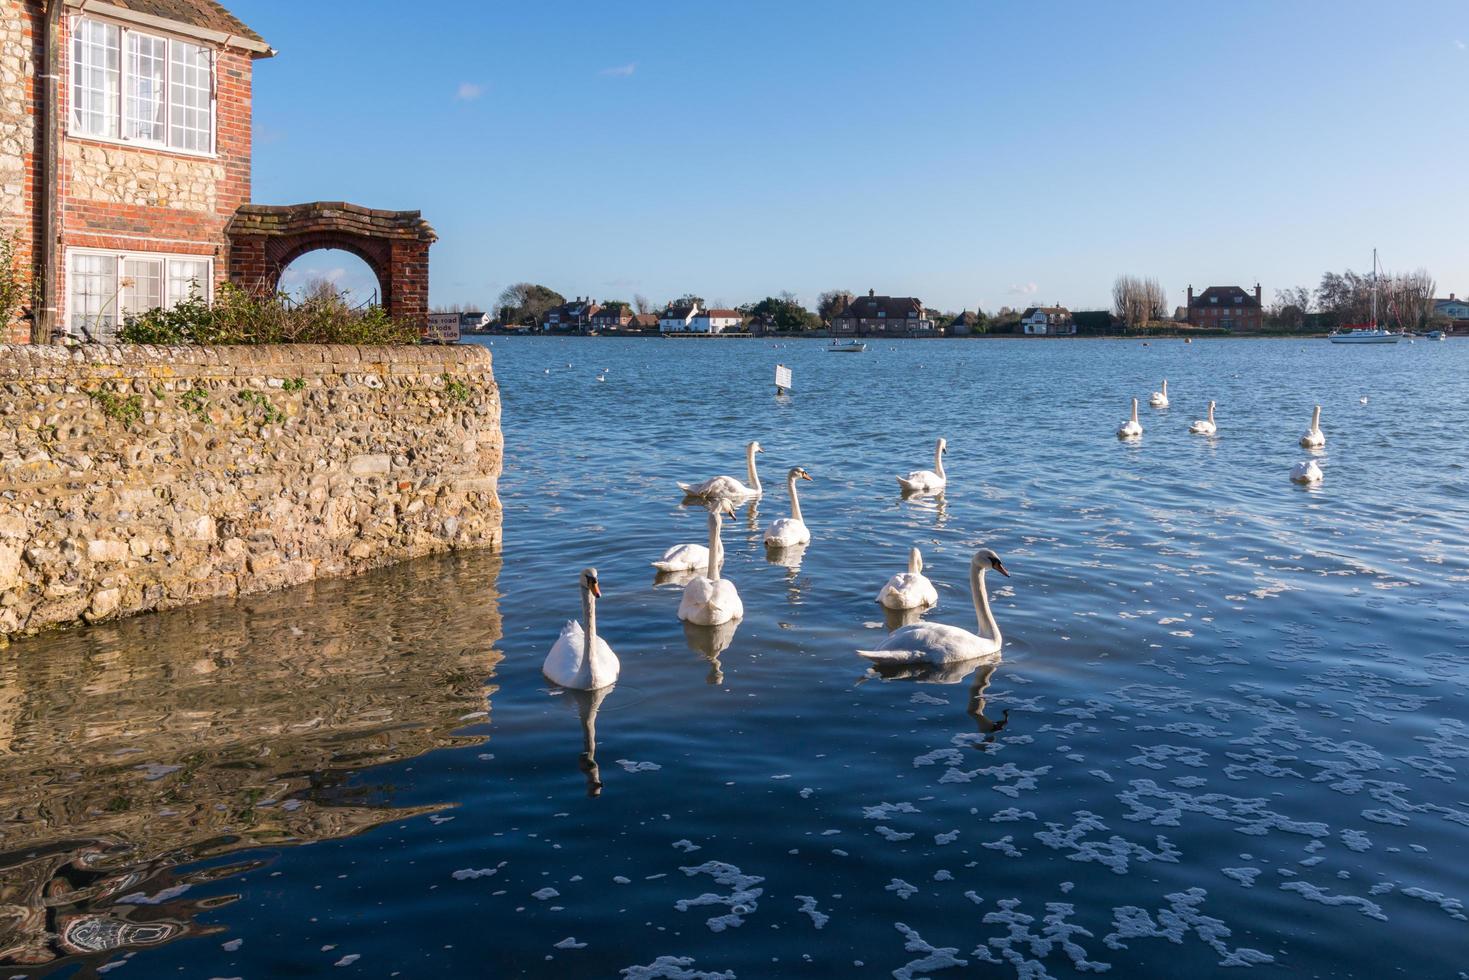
[(1227, 731)]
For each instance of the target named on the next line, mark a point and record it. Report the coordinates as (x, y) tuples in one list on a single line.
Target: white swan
[(790, 531), (1160, 398), (1306, 471), (1314, 437), (686, 557), (728, 486), (580, 659), (1132, 428), (1204, 427), (910, 589), (937, 643), (709, 600), (928, 481)]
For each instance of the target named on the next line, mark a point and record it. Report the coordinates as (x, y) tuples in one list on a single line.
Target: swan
[(790, 531), (1132, 428), (709, 600), (580, 659), (1204, 427), (728, 486), (937, 643), (687, 557), (1306, 471), (1160, 398), (1314, 437), (910, 589), (928, 481)]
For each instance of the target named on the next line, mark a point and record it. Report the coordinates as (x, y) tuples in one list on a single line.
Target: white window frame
[(119, 110), (113, 305)]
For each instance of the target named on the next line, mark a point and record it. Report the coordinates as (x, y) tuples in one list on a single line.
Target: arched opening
[(327, 271)]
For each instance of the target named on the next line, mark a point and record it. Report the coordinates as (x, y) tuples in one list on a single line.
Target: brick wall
[(20, 25), (140, 478)]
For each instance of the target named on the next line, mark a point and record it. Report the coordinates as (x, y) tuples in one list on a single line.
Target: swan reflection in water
[(790, 559), (588, 703), (954, 673), (936, 504), (709, 642)]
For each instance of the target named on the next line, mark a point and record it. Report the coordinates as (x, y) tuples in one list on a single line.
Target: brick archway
[(264, 239)]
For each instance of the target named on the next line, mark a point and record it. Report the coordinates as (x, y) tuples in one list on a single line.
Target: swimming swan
[(910, 589), (728, 486), (709, 600), (928, 481), (937, 643), (580, 659), (1132, 428), (1306, 471), (1314, 437), (790, 531), (1160, 398), (1204, 427)]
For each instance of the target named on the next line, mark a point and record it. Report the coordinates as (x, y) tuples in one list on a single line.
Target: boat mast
[(1374, 289)]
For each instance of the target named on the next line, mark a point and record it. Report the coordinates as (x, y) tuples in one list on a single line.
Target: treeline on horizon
[(1404, 301)]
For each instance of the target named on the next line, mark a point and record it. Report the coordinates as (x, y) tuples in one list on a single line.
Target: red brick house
[(873, 314), (120, 175), (1226, 307)]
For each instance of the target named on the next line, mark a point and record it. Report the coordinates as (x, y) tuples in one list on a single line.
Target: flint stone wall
[(142, 478)]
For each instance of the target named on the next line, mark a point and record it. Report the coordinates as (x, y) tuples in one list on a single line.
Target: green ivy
[(127, 411), (196, 403), (269, 413), (455, 390)]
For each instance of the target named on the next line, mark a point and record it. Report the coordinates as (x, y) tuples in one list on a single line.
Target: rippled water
[(1227, 730)]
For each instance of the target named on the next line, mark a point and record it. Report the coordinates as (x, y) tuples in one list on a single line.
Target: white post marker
[(782, 379)]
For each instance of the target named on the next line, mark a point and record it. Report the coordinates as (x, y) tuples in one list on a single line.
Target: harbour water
[(1228, 731)]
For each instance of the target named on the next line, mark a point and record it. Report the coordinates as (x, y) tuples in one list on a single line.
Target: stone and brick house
[(125, 167), (873, 314), (612, 318), (1047, 321), (574, 314), (1226, 307), (1454, 309)]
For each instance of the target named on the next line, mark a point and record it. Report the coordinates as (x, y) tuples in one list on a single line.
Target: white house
[(1454, 308), (1047, 321), (692, 319), (677, 319)]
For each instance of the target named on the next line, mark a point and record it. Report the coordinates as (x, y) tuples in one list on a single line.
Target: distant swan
[(1132, 428), (580, 659), (1204, 427), (1306, 471), (728, 486), (928, 481), (937, 643), (1314, 437), (1160, 398), (910, 589), (790, 531), (709, 600)]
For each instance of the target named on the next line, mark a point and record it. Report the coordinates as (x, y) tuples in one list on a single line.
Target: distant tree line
[(1404, 302)]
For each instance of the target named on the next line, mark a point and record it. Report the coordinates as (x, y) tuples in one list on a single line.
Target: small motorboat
[(846, 347)]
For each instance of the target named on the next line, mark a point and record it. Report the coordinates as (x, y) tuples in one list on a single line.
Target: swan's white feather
[(931, 643), (683, 558), (718, 486), (1306, 471), (908, 590), (1202, 427), (787, 532), (710, 602), (567, 665), (922, 481)]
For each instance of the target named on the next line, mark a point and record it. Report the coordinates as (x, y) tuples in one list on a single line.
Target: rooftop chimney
[(871, 292)]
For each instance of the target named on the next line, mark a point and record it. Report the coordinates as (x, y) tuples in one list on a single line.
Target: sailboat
[(1369, 333)]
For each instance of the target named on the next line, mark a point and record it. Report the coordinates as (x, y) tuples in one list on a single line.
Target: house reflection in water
[(130, 749)]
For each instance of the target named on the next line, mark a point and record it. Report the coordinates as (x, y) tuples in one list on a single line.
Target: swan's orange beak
[(1000, 567), (596, 589), (806, 476)]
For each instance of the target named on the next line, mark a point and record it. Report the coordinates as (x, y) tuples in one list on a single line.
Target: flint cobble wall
[(143, 478)]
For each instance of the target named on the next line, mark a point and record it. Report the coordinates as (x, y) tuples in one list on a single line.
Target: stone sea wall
[(142, 478)]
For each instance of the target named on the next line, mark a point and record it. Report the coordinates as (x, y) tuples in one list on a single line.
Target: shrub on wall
[(14, 282), (239, 317)]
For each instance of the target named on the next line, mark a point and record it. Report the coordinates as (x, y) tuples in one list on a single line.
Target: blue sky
[(967, 153)]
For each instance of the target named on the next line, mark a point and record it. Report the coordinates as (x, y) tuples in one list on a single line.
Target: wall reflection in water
[(132, 748)]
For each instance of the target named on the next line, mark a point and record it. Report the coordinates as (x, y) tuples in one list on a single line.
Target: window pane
[(189, 88), (95, 76), (93, 300), (142, 285), (187, 279), (143, 109)]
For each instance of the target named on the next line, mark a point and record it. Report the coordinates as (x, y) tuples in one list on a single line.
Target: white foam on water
[(1056, 931), (545, 894), (632, 766), (1245, 876), (1317, 894), (1173, 923), (948, 838), (348, 960), (741, 901), (892, 835), (933, 958), (673, 968), (902, 887), (808, 906), (570, 943), (1452, 906), (687, 846)]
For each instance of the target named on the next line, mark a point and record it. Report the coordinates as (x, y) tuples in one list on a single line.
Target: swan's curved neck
[(750, 469), (795, 501), (1134, 409), (938, 460), (589, 613), (714, 521), (1211, 411), (988, 628), (915, 562), (1316, 419), (1165, 387)]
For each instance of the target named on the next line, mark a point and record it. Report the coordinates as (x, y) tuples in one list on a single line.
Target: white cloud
[(621, 71), (469, 91), (1023, 289), (1460, 45)]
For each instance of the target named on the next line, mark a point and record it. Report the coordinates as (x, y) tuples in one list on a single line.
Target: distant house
[(645, 322), (692, 318), (677, 319), (575, 315), (873, 314), (964, 324), (1047, 321), (611, 318), (1225, 307), (1454, 308)]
